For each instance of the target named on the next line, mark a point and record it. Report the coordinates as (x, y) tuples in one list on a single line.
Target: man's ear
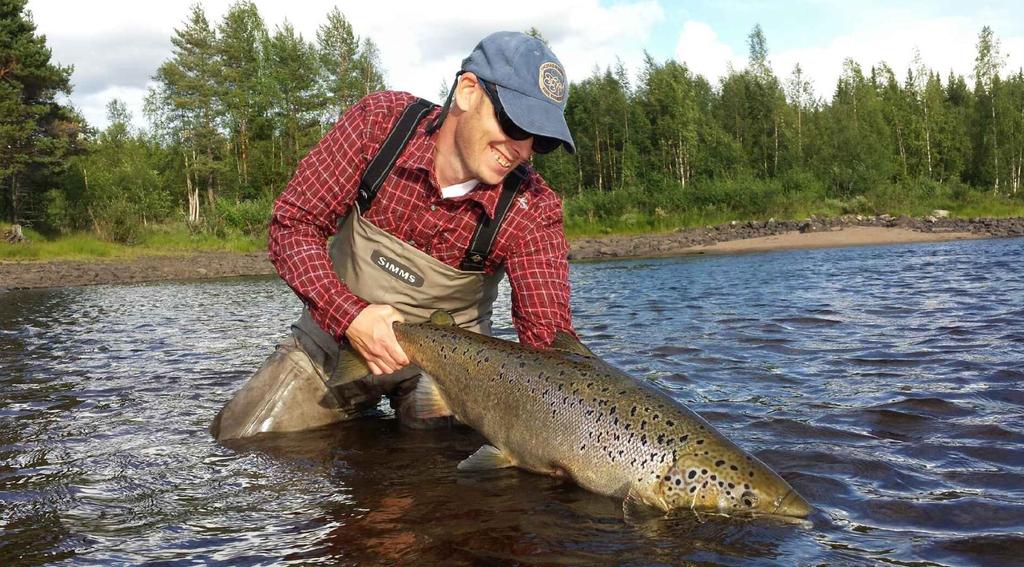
[(466, 92)]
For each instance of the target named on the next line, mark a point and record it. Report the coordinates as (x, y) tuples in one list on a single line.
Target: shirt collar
[(419, 155)]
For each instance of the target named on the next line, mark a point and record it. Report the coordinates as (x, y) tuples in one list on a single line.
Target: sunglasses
[(541, 144)]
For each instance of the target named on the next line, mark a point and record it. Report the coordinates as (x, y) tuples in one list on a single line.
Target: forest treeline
[(238, 105)]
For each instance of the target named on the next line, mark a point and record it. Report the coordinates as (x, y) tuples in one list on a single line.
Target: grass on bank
[(164, 239), (241, 227)]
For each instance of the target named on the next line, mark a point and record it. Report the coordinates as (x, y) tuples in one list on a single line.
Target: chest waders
[(382, 269)]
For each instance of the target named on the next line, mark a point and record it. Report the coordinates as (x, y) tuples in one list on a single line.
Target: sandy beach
[(733, 238), (853, 236)]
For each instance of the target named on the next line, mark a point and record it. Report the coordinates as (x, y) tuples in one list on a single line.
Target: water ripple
[(882, 382)]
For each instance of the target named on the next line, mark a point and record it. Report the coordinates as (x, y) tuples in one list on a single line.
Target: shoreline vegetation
[(138, 265)]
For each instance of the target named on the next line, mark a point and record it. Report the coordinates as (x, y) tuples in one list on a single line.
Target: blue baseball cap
[(530, 81)]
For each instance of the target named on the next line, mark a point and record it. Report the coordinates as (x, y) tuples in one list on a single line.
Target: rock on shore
[(686, 240)]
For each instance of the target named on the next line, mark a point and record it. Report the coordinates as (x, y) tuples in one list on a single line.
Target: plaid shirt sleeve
[(538, 271), (306, 213)]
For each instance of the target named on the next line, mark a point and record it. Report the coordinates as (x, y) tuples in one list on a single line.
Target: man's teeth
[(502, 161)]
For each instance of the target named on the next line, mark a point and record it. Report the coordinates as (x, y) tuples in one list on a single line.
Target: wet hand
[(373, 337)]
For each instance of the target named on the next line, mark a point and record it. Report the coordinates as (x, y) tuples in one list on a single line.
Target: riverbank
[(731, 238)]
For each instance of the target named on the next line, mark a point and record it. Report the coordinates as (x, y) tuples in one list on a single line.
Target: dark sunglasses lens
[(545, 145), (510, 128), (541, 144)]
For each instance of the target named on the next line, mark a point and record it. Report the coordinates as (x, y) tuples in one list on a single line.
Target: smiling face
[(474, 146)]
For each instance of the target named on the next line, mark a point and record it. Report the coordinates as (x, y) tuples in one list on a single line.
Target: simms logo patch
[(396, 269), (552, 81)]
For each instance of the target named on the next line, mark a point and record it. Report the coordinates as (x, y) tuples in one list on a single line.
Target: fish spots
[(684, 438), (632, 411), (719, 463), (692, 474), (670, 423), (699, 441)]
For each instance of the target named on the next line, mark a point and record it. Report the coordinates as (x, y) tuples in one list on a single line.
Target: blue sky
[(117, 45)]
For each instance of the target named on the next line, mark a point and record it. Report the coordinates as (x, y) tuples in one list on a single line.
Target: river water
[(883, 382)]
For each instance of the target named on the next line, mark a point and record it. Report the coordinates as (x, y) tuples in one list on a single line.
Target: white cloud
[(945, 44), (116, 45), (704, 54)]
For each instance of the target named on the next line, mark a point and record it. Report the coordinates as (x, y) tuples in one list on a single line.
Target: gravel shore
[(735, 237)]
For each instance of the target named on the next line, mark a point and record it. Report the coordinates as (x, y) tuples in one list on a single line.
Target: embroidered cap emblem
[(552, 81)]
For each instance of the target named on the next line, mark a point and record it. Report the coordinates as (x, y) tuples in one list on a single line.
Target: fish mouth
[(793, 505)]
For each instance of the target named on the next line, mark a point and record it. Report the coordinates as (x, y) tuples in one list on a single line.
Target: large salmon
[(565, 412)]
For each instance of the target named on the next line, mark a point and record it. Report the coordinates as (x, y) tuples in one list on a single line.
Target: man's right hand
[(372, 335)]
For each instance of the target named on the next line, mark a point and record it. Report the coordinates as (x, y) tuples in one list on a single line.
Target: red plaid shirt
[(531, 242)]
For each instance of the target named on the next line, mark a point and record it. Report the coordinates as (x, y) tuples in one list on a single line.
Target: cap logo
[(552, 81)]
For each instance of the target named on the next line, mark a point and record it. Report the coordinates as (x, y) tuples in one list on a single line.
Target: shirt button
[(433, 207)]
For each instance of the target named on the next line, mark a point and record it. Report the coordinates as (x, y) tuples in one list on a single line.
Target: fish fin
[(442, 318), (636, 511), (427, 399), (568, 343), (351, 367), (487, 457)]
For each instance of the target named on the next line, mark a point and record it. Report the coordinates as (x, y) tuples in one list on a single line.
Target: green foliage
[(37, 133), (57, 211), (247, 218)]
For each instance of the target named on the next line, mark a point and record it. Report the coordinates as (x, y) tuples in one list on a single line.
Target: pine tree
[(36, 132), (987, 64), (295, 101), (339, 57), (242, 86), (185, 106)]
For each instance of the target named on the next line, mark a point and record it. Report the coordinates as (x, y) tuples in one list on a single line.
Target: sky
[(116, 46)]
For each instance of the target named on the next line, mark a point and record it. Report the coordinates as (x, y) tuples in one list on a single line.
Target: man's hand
[(372, 335)]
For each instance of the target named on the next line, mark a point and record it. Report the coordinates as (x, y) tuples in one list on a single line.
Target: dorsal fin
[(568, 343), (442, 318)]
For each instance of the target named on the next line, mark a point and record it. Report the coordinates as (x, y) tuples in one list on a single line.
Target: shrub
[(248, 217)]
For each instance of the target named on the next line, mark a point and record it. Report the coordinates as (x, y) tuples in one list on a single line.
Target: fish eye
[(749, 499)]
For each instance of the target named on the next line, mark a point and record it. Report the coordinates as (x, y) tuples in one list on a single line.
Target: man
[(436, 206)]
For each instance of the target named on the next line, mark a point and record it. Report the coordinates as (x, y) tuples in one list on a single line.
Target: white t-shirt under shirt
[(459, 189)]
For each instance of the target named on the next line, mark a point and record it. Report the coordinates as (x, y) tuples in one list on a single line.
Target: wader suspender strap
[(487, 229), (385, 159)]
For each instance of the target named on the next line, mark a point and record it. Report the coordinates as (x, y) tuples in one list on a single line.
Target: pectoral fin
[(427, 399), (486, 458), (636, 511), (351, 367)]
